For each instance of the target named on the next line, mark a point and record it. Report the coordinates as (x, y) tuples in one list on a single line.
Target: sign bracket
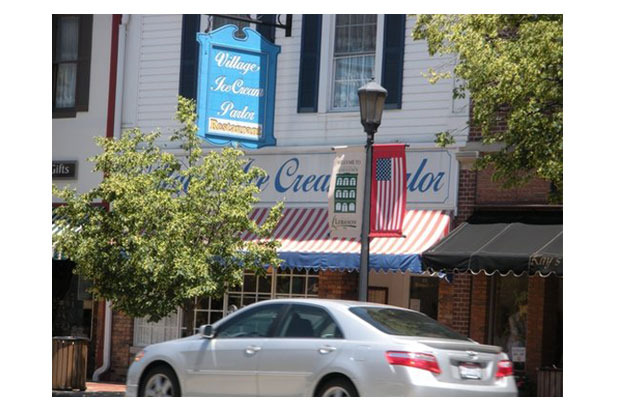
[(280, 25)]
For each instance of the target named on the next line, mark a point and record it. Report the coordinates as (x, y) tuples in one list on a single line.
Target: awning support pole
[(363, 280)]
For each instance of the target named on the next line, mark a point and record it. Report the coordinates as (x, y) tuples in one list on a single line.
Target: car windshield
[(404, 322)]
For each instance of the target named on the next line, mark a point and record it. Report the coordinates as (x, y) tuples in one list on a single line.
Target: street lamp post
[(371, 99)]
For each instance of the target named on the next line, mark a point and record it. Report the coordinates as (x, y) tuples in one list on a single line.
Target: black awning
[(506, 246)]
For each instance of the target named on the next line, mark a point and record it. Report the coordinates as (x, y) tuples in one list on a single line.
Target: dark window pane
[(424, 295), (283, 284), (215, 316), (405, 323), (265, 284), (312, 288), (201, 318), (234, 300), (298, 285), (247, 300), (249, 283), (216, 304)]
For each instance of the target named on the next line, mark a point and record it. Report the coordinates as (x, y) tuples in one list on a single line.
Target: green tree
[(173, 230), (511, 67)]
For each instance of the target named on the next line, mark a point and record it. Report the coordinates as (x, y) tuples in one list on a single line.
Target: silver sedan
[(319, 347)]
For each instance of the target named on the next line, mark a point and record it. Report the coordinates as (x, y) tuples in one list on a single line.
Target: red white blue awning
[(306, 243)]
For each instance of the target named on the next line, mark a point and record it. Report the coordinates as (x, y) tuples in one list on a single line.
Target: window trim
[(326, 89), (84, 58)]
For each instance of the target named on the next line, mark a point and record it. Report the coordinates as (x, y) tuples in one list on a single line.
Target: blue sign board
[(236, 88)]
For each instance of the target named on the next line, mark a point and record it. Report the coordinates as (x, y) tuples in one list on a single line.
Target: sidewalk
[(95, 389)]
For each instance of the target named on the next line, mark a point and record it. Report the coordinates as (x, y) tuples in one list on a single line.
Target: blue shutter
[(267, 32), (392, 58), (309, 76), (187, 85)]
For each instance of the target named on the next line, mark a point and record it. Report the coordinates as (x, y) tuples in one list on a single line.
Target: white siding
[(73, 138), (154, 48)]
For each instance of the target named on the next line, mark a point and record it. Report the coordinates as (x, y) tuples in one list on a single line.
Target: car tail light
[(415, 359), (505, 368)]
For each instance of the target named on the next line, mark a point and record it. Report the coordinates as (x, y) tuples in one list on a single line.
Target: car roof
[(329, 302)]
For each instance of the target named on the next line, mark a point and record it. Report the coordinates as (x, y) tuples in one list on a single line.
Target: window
[(147, 333), (424, 295), (254, 289), (72, 42), (254, 323), (404, 323), (297, 283), (289, 283), (218, 21), (204, 310), (508, 321), (304, 321), (354, 57)]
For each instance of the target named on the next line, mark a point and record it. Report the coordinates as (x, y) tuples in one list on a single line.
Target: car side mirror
[(207, 332)]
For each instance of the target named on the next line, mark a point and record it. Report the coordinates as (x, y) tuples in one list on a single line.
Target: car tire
[(159, 381), (337, 387)]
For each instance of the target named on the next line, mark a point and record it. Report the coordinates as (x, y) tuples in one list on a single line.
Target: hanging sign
[(236, 88), (345, 196)]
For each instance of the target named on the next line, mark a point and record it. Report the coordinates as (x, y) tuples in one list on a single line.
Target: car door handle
[(326, 349), (252, 350)]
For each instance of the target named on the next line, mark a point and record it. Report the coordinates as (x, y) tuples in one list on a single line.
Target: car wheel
[(160, 381), (337, 387)]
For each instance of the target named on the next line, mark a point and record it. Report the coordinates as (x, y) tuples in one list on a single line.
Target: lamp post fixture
[(371, 99)]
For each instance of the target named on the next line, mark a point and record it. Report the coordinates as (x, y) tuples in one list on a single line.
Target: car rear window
[(404, 322)]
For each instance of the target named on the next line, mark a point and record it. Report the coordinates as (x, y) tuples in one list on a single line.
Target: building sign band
[(236, 88)]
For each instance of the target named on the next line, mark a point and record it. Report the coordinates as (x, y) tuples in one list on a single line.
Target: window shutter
[(309, 76), (392, 58), (267, 32), (83, 68), (189, 56)]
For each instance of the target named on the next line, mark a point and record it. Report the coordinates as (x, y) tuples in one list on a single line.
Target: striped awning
[(305, 241)]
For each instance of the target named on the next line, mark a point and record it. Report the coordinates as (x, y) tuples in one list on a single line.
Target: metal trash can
[(69, 359), (549, 382)]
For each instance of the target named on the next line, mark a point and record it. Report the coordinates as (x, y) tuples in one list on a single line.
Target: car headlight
[(139, 356)]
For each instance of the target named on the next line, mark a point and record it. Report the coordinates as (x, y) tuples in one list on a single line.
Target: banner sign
[(303, 179), (345, 196), (236, 88), (388, 190)]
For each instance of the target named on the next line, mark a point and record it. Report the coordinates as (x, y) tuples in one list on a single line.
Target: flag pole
[(363, 279)]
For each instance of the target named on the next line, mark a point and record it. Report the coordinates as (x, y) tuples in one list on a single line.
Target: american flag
[(388, 191)]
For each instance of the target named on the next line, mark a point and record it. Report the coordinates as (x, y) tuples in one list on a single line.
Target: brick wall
[(479, 307), (488, 192), (466, 196), (122, 339), (338, 285), (454, 303)]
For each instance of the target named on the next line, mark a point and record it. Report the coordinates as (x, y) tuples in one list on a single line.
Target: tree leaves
[(511, 66), (171, 233)]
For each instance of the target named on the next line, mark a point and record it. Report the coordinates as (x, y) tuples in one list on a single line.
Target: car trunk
[(463, 362)]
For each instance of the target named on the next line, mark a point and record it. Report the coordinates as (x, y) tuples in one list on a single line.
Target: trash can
[(69, 359)]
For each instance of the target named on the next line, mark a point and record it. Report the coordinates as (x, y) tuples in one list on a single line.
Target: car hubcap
[(336, 391), (159, 385)]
